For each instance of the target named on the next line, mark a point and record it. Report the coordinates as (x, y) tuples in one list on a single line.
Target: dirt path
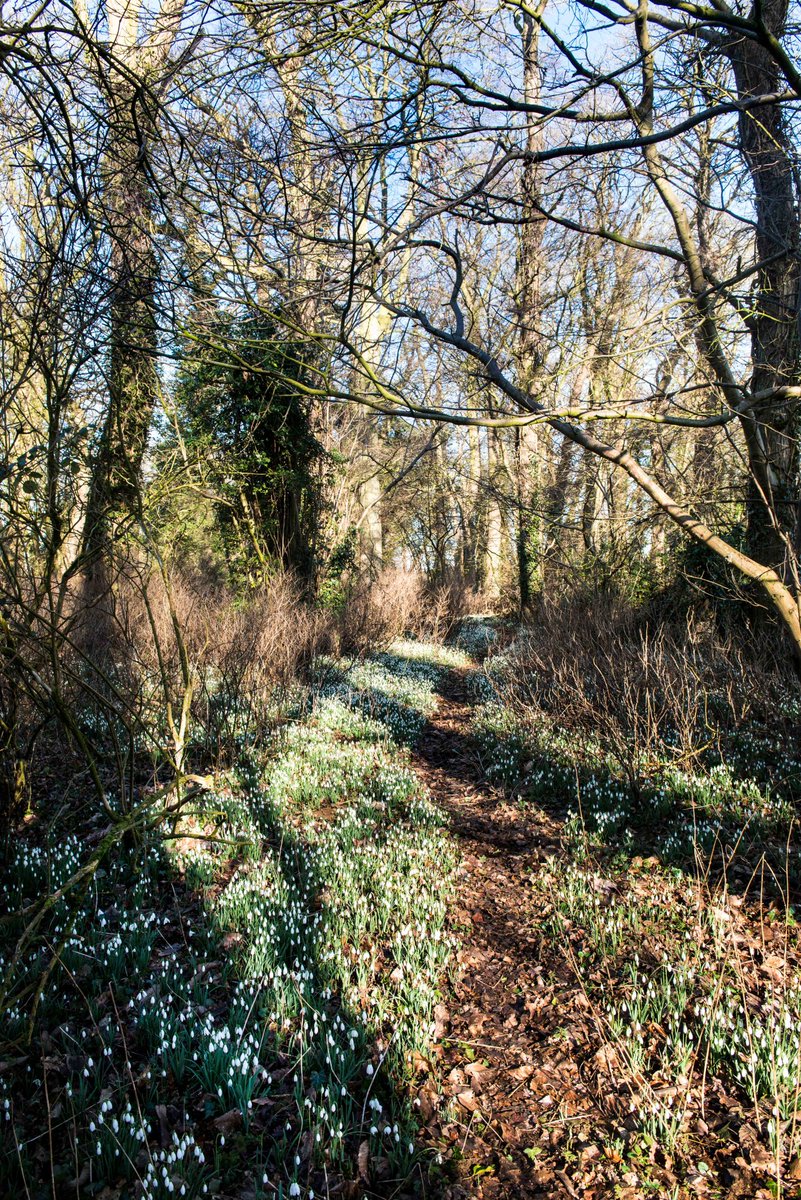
[(512, 1115)]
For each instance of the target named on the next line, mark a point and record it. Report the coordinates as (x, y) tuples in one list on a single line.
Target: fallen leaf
[(442, 1020), (227, 1122), (467, 1100), (363, 1161)]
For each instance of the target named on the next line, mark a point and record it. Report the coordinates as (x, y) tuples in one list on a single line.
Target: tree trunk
[(493, 554), (772, 430), (132, 372), (472, 506), (530, 443), (528, 487), (371, 540)]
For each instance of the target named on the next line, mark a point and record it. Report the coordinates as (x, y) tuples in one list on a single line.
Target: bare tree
[(621, 97)]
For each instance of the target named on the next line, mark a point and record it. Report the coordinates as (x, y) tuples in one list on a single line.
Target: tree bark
[(529, 447), (772, 427), (130, 86)]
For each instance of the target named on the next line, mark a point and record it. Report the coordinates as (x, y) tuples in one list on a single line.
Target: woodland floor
[(601, 1012), (498, 1056), (521, 1094)]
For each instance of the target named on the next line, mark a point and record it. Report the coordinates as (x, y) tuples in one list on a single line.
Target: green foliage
[(703, 569), (617, 567), (248, 425), (332, 593), (697, 572)]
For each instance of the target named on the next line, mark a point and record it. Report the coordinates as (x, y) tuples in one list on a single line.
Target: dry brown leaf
[(467, 1100), (363, 1161)]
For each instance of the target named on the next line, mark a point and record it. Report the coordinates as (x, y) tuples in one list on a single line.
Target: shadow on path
[(513, 1041)]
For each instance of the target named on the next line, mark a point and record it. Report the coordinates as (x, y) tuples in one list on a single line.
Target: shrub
[(644, 691)]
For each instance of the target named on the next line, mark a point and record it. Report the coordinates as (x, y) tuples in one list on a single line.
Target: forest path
[(510, 1098)]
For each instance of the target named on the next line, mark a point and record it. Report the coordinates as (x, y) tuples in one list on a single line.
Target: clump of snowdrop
[(476, 636), (177, 1170), (343, 910), (759, 1045), (324, 880)]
